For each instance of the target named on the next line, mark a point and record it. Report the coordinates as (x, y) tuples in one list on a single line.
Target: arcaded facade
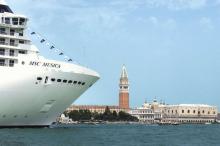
[(190, 113)]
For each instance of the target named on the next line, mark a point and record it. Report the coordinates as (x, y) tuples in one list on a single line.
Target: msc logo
[(44, 64)]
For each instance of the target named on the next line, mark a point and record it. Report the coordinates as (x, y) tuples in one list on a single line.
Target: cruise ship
[(34, 90)]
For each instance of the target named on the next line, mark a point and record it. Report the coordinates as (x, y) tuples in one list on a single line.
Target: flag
[(52, 47), (43, 40)]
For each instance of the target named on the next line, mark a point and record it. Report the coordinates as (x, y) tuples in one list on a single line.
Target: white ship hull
[(34, 91), (28, 102)]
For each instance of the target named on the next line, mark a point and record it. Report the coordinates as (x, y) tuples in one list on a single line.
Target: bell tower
[(124, 89)]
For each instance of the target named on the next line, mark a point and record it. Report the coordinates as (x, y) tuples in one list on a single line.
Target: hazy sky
[(171, 48)]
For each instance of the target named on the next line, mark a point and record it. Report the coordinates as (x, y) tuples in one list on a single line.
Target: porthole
[(39, 78), (53, 79), (15, 116), (64, 81), (23, 63), (79, 83), (83, 83), (58, 80), (70, 81), (75, 82)]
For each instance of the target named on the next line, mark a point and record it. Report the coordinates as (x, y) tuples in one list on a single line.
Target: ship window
[(12, 42), (39, 78), (4, 8), (2, 62), (83, 83), (70, 81), (53, 79), (21, 52), (21, 42), (11, 63), (182, 111), (46, 79), (64, 81), (15, 21), (58, 80), (75, 82), (2, 41), (2, 51), (22, 21), (79, 83), (21, 34), (2, 31), (12, 53), (12, 32), (7, 20)]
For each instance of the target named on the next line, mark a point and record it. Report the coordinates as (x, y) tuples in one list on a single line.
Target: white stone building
[(144, 113), (148, 113), (189, 113), (156, 112)]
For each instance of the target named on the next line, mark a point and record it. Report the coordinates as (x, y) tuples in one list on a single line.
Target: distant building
[(148, 113), (182, 113), (218, 117), (93, 108), (190, 113), (144, 113), (123, 98), (64, 119)]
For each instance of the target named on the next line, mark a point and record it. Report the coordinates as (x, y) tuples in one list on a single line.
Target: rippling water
[(114, 135)]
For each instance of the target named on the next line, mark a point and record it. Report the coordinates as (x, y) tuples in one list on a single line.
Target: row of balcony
[(12, 33), (11, 43), (5, 62), (14, 21)]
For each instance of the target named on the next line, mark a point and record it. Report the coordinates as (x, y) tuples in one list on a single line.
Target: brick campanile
[(124, 90)]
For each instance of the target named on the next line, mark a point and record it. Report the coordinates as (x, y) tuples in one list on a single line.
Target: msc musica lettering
[(45, 64)]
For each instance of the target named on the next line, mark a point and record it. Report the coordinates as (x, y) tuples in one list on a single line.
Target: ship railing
[(14, 26)]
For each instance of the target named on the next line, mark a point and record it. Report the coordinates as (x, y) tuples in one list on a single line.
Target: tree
[(126, 117)]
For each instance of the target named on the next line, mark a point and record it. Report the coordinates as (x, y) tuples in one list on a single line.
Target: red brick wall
[(124, 100)]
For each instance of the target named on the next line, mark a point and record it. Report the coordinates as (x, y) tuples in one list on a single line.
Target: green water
[(114, 135)]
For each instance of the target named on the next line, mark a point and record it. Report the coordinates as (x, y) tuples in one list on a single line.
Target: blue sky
[(171, 48)]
